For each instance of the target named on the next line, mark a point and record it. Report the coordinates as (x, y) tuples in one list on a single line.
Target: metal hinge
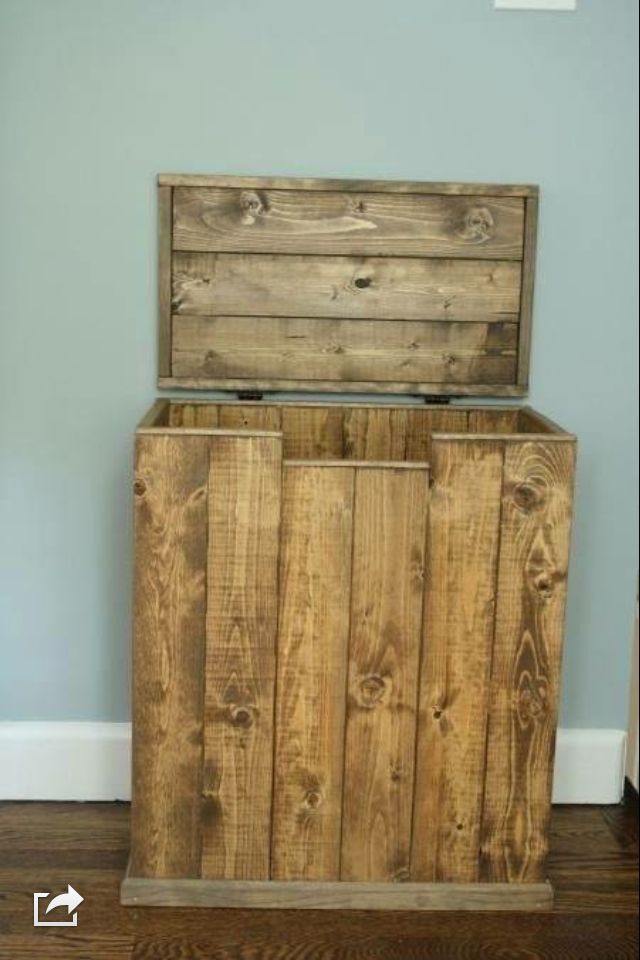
[(434, 399), (250, 395)]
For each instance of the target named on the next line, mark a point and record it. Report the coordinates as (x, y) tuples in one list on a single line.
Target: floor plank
[(44, 846)]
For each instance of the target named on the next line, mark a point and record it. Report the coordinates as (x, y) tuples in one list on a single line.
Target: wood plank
[(422, 424), (241, 623), (532, 579), (386, 617), (170, 516), (193, 415), (320, 349), (220, 219), (526, 298), (165, 219), (340, 895), (463, 540), (345, 386), (223, 284), (375, 433), (257, 417), (312, 432), (493, 421), (315, 574), (370, 186)]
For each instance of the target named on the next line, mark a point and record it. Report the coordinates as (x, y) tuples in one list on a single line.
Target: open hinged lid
[(338, 285)]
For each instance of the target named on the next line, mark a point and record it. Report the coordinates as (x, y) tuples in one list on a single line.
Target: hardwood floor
[(44, 846)]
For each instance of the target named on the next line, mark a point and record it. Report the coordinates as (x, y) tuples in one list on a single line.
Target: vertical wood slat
[(534, 554), (374, 433), (250, 417), (170, 487), (242, 572), (312, 432), (165, 229), (422, 424), (493, 421), (462, 555), (315, 572), (386, 613)]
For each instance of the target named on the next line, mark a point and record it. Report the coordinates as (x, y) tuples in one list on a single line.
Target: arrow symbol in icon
[(71, 899)]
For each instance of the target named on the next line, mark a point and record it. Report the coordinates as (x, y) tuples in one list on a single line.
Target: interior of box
[(350, 431)]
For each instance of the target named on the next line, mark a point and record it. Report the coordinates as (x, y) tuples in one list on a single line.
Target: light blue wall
[(97, 97)]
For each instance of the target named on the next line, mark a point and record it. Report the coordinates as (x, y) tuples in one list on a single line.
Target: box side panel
[(169, 626), (537, 504)]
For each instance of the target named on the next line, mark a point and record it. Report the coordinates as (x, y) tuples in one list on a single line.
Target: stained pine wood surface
[(462, 555), (294, 221), (43, 846), (339, 673), (317, 536), (283, 284), (171, 519), (239, 677)]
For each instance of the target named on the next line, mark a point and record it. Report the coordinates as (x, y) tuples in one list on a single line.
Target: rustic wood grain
[(422, 424), (337, 895), (493, 421), (375, 434), (315, 575), (526, 297), (170, 497), (165, 222), (317, 349), (256, 417), (218, 219), (360, 186), (312, 432), (464, 531), (242, 597), (262, 285), (532, 574), (386, 612), (347, 386)]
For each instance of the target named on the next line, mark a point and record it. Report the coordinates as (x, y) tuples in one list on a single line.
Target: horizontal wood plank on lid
[(364, 224), (391, 288), (310, 349), (299, 262)]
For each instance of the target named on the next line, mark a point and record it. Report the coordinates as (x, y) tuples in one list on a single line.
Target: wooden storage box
[(348, 616)]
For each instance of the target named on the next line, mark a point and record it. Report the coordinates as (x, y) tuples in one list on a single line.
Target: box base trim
[(333, 895)]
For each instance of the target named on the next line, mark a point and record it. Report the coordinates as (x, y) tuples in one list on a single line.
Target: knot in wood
[(372, 690), (526, 497), (477, 225), (139, 488), (532, 700), (252, 206), (313, 799), (241, 716), (362, 282)]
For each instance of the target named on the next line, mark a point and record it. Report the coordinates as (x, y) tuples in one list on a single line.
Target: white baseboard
[(589, 766), (65, 761), (91, 761)]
